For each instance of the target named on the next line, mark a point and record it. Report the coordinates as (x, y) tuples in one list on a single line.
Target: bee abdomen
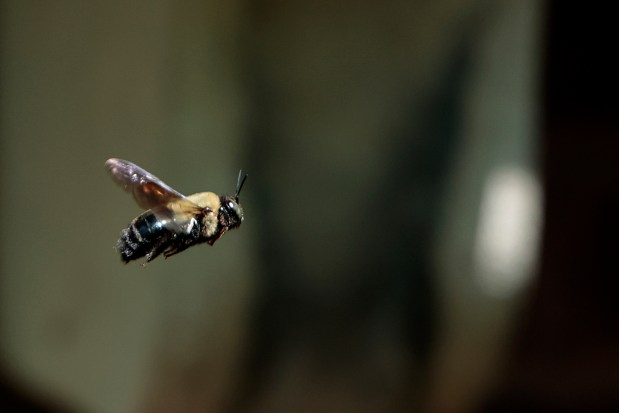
[(144, 235)]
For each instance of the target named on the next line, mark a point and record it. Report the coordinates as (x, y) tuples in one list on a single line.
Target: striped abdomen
[(145, 236)]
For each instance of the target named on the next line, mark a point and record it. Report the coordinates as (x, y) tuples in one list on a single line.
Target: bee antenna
[(239, 183)]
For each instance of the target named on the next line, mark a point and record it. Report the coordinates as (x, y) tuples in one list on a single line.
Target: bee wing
[(148, 190), (179, 216)]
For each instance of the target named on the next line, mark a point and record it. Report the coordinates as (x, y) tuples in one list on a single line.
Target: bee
[(172, 221)]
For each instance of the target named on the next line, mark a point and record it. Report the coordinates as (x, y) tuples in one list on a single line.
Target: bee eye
[(231, 206)]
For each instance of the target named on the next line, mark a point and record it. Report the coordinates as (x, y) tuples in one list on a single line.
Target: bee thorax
[(208, 225)]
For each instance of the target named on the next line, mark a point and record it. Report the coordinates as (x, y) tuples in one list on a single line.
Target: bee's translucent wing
[(148, 190), (179, 216)]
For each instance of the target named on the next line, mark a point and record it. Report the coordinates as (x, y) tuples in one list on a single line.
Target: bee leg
[(175, 250), (155, 251), (216, 237)]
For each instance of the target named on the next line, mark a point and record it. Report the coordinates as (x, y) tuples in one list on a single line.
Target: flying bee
[(172, 221)]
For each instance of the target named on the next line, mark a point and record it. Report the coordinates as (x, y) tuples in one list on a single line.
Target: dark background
[(564, 357), (368, 129)]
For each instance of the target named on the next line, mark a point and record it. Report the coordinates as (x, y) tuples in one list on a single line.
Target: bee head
[(231, 212)]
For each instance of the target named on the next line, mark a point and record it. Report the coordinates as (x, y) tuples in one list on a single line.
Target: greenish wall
[(368, 129)]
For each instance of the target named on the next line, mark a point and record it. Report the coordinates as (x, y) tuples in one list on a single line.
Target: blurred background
[(431, 214)]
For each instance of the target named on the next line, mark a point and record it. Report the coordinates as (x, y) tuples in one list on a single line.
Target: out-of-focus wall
[(153, 82), (375, 134)]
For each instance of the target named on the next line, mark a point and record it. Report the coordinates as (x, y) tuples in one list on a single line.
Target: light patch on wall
[(508, 233)]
